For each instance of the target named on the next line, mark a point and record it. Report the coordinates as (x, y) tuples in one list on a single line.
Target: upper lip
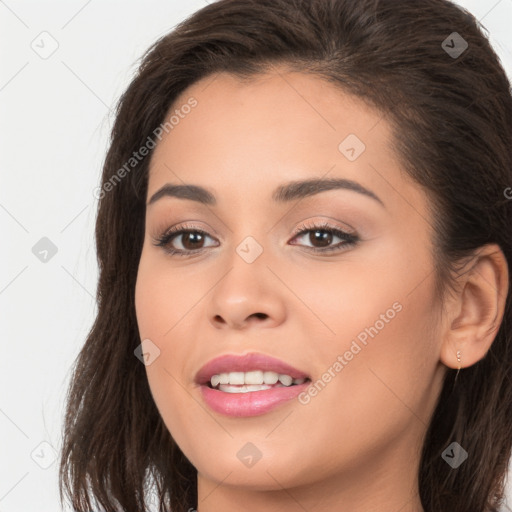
[(243, 363)]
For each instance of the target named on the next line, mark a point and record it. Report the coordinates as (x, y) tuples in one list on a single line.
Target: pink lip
[(254, 402), (245, 363)]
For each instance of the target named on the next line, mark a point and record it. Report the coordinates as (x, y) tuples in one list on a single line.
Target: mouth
[(249, 385), (254, 380)]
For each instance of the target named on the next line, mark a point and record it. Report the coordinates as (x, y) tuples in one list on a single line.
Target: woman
[(304, 243)]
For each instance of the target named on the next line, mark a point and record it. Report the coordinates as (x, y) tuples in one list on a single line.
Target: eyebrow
[(282, 194)]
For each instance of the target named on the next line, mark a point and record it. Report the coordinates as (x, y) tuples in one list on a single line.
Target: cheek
[(157, 301), (389, 354), (378, 396), (387, 328), (164, 309), (385, 333)]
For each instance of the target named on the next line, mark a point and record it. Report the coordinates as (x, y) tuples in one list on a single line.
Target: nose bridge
[(246, 269), (249, 233), (247, 289)]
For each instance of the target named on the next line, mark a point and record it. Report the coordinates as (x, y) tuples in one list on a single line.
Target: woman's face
[(356, 317)]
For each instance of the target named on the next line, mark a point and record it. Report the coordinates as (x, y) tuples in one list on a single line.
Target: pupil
[(324, 239), (192, 235)]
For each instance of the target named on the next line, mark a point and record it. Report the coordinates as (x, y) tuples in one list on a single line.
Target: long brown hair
[(452, 120)]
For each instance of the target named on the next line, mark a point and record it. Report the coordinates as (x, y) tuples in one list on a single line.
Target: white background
[(55, 122)]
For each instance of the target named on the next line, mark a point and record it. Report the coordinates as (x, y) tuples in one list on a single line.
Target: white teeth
[(242, 389), (236, 378), (251, 379), (285, 380), (255, 377), (270, 377)]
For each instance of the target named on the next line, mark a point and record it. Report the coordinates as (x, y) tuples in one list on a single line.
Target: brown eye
[(192, 240), (321, 238), (188, 241)]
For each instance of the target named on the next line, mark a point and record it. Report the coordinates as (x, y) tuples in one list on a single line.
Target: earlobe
[(476, 311)]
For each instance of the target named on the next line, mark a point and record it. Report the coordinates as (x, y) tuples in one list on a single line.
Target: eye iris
[(195, 236), (325, 238)]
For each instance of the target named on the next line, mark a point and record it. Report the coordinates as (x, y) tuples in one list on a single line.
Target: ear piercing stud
[(459, 357)]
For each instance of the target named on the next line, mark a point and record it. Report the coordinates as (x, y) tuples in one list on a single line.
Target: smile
[(255, 380), (249, 385)]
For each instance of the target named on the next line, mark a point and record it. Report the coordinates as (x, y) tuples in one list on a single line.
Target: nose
[(248, 296), (238, 321)]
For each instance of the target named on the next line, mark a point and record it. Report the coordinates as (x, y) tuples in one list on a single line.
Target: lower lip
[(252, 403)]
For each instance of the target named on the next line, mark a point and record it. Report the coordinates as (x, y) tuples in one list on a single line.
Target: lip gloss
[(252, 403)]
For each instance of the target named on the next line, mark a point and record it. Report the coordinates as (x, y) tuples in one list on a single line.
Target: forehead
[(279, 110), (275, 127)]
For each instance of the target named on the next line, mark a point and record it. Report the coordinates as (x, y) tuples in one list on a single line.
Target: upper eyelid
[(304, 226), (308, 225)]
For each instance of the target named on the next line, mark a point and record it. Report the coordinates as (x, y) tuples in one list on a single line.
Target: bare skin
[(355, 445)]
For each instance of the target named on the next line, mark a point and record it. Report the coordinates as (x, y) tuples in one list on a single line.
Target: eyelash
[(349, 239)]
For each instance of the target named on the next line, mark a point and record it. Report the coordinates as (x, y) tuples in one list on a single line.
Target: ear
[(473, 314)]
